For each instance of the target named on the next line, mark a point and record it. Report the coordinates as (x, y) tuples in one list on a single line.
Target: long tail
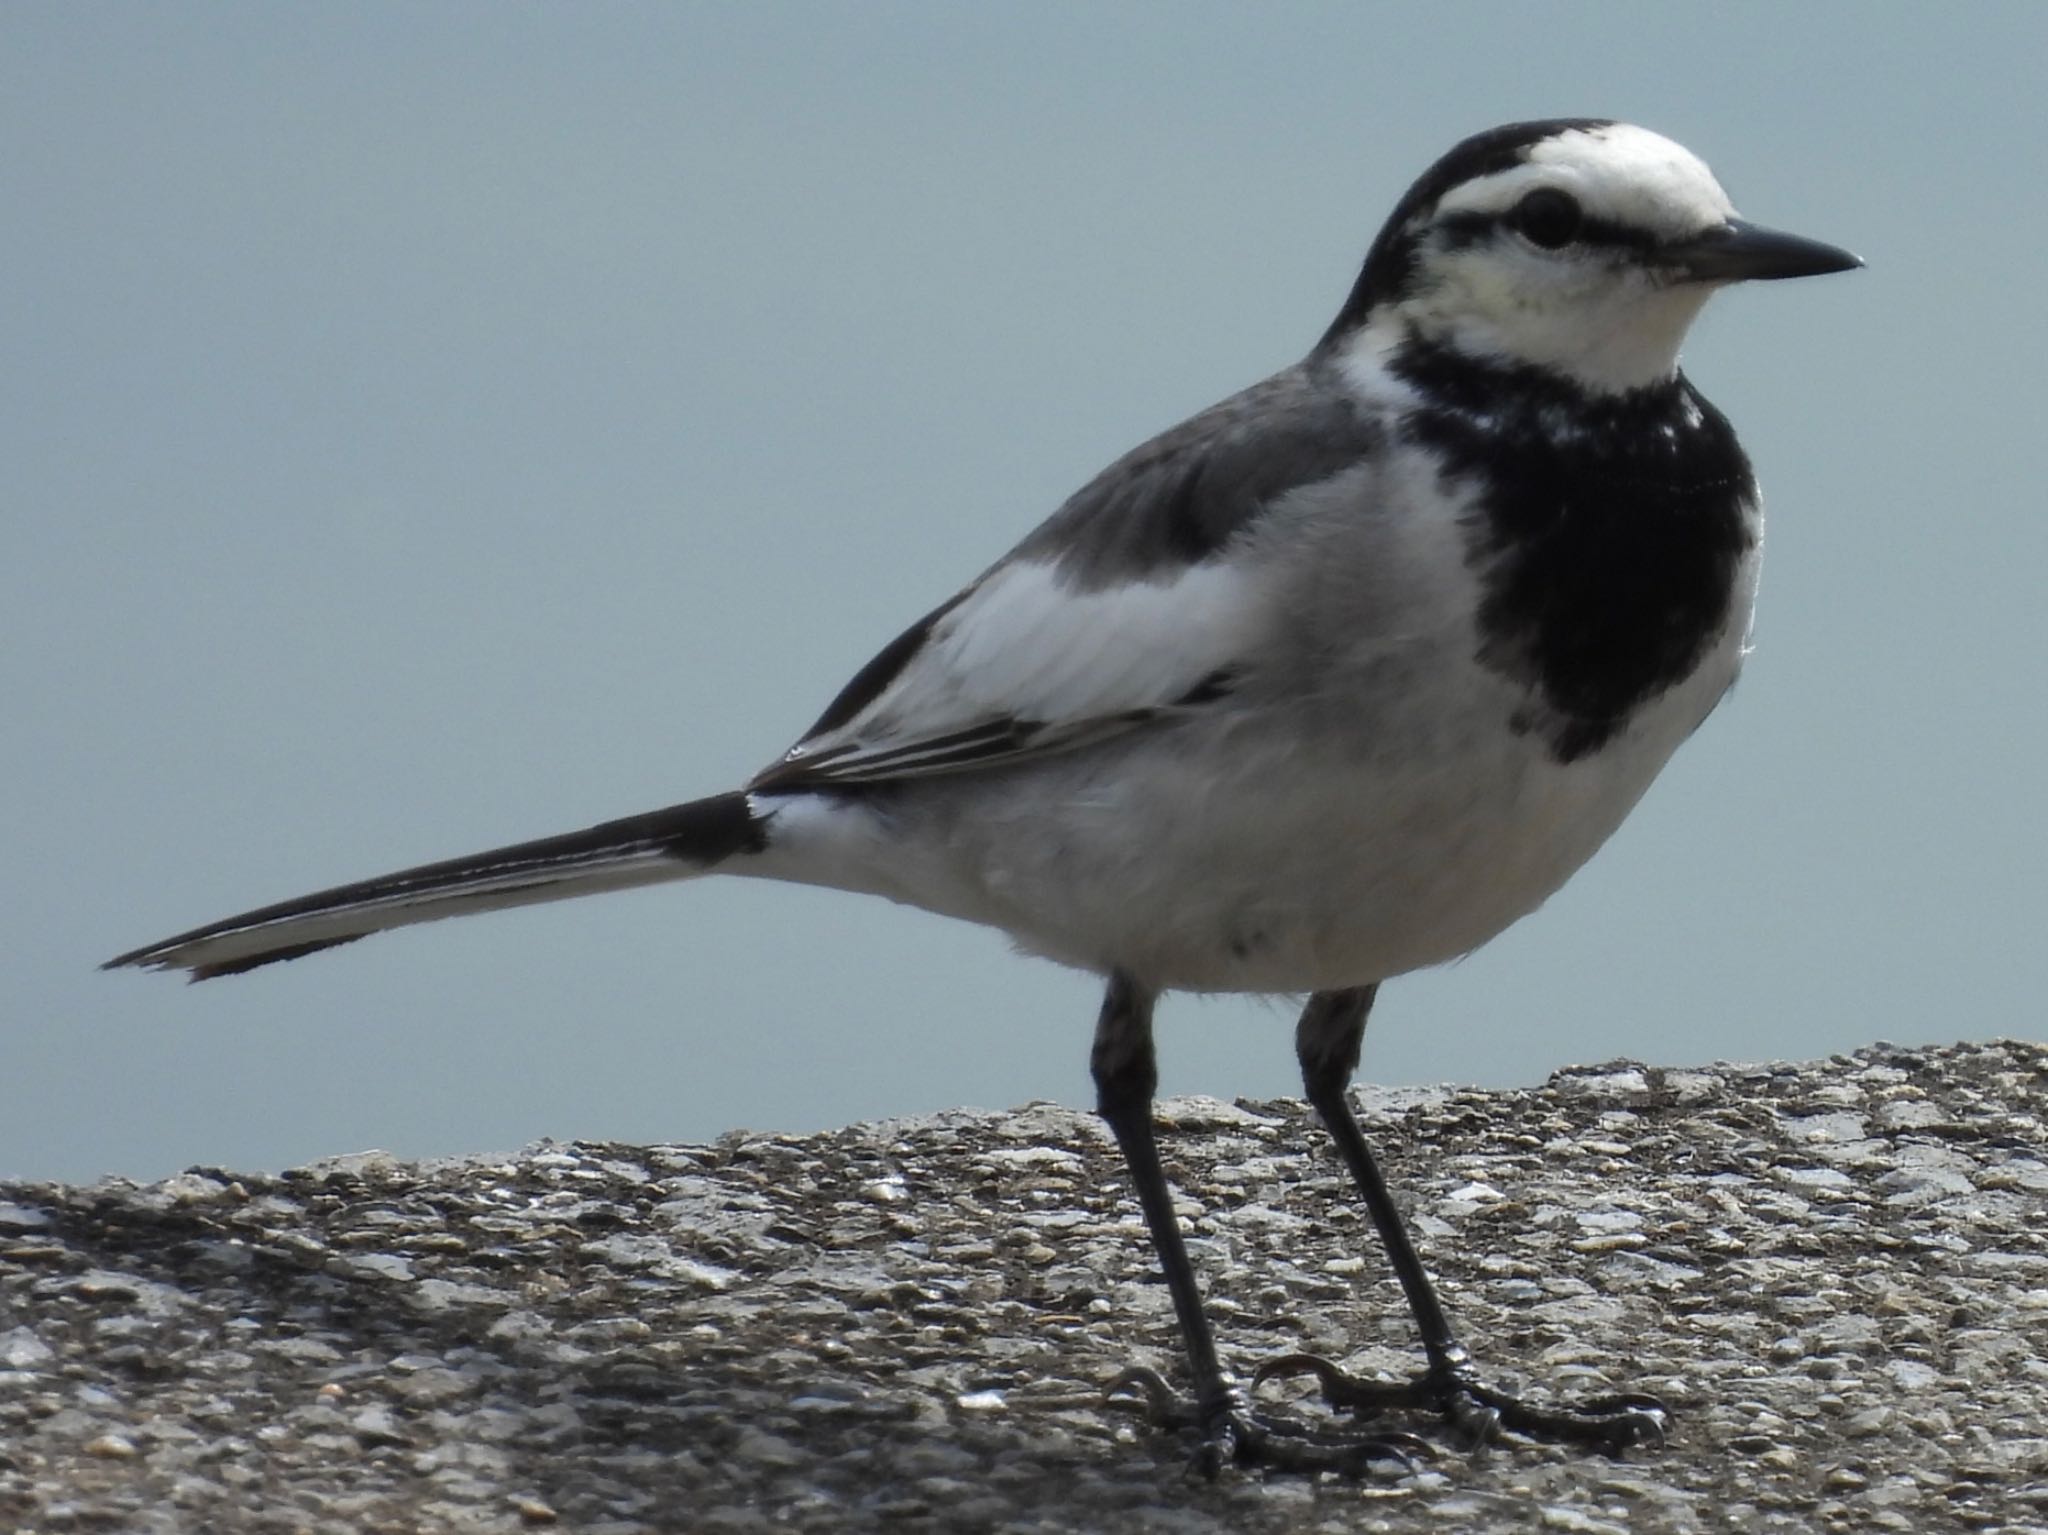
[(640, 850)]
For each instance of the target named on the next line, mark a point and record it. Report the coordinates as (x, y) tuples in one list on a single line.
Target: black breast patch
[(1607, 535)]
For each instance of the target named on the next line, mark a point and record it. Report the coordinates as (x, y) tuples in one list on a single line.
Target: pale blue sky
[(429, 426)]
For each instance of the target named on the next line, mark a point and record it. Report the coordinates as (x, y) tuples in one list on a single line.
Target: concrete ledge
[(1836, 1272)]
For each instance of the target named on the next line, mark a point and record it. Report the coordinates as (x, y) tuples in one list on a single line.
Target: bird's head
[(1578, 246)]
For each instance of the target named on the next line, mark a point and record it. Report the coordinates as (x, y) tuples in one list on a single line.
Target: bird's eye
[(1548, 217)]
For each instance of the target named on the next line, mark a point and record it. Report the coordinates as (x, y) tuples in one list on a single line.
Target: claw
[(1231, 1433), (1637, 1412), (1613, 1422), (1477, 1420), (1480, 1413), (1346, 1392), (1280, 1366), (1159, 1402)]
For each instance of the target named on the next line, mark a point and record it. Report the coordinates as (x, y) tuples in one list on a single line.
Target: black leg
[(1327, 1043), (1126, 1075)]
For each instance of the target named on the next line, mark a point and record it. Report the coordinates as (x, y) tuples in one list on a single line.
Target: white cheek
[(1609, 329)]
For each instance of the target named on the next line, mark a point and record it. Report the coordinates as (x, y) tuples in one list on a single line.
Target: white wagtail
[(1331, 682)]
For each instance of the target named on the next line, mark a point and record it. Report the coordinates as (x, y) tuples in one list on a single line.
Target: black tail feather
[(697, 835), (251, 962)]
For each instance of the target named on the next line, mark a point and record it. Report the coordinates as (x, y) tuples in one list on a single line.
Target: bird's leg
[(1126, 1078), (1327, 1043)]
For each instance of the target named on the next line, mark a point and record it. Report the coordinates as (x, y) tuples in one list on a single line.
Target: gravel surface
[(1835, 1272)]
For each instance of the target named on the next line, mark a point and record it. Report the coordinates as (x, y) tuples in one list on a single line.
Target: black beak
[(1742, 252)]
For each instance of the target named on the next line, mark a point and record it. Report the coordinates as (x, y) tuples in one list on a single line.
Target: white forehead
[(1619, 173)]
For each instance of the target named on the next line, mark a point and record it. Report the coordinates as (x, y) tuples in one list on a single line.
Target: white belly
[(1248, 857)]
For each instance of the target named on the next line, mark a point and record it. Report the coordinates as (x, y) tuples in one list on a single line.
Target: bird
[(1331, 682)]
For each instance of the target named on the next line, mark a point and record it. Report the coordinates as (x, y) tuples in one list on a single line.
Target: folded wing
[(1141, 598), (1021, 664)]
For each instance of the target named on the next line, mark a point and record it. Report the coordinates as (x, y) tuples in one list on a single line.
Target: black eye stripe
[(1594, 231), (1458, 230)]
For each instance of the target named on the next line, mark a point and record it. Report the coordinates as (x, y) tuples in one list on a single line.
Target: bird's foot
[(1451, 1388), (1227, 1432)]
